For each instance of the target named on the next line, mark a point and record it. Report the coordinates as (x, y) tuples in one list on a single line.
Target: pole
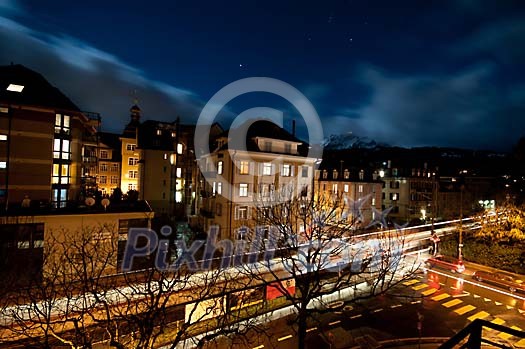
[(460, 245)]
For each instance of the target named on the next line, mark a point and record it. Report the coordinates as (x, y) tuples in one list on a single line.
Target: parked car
[(446, 262), (500, 279)]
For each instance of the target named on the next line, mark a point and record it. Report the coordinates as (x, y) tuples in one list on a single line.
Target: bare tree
[(310, 252)]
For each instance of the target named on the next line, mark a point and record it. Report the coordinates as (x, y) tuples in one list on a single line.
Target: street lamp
[(17, 89)]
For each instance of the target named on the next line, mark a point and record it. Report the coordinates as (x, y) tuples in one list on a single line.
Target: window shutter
[(273, 169), (236, 213), (292, 171), (252, 168)]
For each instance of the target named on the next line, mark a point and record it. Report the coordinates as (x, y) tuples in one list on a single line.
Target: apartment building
[(273, 164), (41, 133), (357, 191)]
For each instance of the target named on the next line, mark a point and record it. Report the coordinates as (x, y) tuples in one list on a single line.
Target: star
[(240, 65), (351, 39)]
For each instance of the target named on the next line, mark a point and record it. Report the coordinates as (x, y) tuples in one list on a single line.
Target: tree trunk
[(301, 331)]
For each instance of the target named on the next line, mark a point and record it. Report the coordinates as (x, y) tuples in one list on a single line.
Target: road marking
[(410, 282), (463, 294), (440, 297), (496, 321), (419, 287), (356, 316), (396, 306), (520, 344), (521, 311), (479, 315), (334, 322), (498, 303), (415, 302), (429, 292), (505, 336), (509, 307), (487, 299), (452, 303), (377, 310), (259, 347), (464, 309), (311, 329), (476, 296), (284, 338)]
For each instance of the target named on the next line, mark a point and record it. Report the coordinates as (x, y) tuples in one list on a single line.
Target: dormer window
[(347, 174), (334, 174), (325, 174), (287, 148)]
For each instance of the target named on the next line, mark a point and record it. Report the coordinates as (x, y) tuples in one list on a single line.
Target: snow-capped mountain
[(350, 141)]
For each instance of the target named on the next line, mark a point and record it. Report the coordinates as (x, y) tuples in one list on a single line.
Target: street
[(446, 303)]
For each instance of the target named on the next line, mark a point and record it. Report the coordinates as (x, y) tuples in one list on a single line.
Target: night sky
[(408, 73)]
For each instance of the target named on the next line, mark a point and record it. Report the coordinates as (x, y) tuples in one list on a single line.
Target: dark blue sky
[(410, 73)]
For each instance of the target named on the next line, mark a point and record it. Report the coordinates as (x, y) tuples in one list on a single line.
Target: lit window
[(325, 174), (159, 132), (373, 201), (114, 180), (62, 123), (243, 189), (178, 196), (180, 148), (334, 187), (214, 188), (244, 167), (3, 164), (133, 174), (165, 156), (3, 137), (360, 188), (347, 174), (114, 167), (15, 88), (287, 170), (103, 179), (346, 188), (219, 167), (132, 186), (103, 154), (219, 188), (361, 175), (241, 212), (267, 169), (59, 197), (178, 172), (173, 134), (103, 167), (334, 174), (173, 159)]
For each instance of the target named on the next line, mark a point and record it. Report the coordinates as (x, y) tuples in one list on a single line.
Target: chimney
[(293, 127)]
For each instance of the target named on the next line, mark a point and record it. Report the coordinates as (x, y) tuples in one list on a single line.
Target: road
[(448, 302)]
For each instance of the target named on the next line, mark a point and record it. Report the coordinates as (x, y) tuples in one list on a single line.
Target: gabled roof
[(37, 90)]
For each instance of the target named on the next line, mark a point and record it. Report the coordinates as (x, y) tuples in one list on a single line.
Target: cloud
[(464, 109), (95, 80), (501, 40)]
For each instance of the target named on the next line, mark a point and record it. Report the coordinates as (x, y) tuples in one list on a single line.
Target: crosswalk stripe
[(506, 336), (479, 315), (452, 303), (465, 309), (419, 287), (520, 344), (429, 292), (496, 321), (410, 282), (440, 297)]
